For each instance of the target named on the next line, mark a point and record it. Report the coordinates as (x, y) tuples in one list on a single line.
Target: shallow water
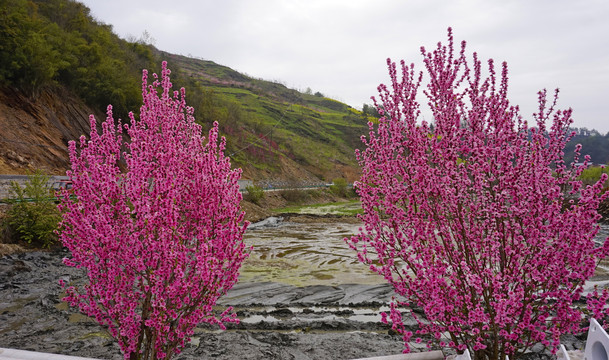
[(304, 254), (316, 254)]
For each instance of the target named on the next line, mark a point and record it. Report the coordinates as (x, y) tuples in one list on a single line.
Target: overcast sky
[(340, 47)]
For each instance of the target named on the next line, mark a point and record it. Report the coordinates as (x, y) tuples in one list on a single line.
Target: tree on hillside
[(369, 110), (46, 43), (467, 219)]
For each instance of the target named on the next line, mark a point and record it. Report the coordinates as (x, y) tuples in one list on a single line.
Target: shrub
[(294, 195), (339, 187), (33, 216), (161, 241), (464, 218), (254, 194), (593, 174)]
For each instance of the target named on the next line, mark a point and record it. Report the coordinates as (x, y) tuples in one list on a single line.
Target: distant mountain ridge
[(593, 143)]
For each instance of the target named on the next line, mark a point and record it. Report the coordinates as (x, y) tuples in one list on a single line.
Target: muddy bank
[(273, 200), (320, 218), (279, 321)]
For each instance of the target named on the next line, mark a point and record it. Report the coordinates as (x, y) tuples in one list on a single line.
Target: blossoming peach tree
[(482, 229), (161, 239)]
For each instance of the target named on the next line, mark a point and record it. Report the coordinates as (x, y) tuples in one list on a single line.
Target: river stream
[(304, 254)]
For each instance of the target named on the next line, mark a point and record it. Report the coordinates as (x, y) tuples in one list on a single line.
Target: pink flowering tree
[(155, 223), (481, 228)]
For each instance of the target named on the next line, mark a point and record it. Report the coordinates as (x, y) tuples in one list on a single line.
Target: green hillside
[(47, 43), (267, 121), (272, 131)]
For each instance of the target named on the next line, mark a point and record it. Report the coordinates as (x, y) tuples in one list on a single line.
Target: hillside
[(35, 131), (62, 65), (593, 143), (272, 129)]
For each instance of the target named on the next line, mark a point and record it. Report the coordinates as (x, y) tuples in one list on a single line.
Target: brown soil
[(7, 249), (253, 212), (37, 128)]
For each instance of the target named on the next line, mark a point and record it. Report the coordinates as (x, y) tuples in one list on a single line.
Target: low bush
[(33, 216), (339, 187), (294, 195), (254, 194)]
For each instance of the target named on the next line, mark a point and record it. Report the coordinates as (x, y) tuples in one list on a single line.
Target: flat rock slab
[(273, 294), (33, 318)]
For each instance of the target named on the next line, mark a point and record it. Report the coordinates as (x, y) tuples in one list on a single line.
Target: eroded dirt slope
[(35, 130)]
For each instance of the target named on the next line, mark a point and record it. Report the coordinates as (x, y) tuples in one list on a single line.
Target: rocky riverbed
[(279, 321), (301, 296)]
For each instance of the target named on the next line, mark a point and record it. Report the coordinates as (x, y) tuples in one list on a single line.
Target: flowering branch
[(161, 241), (465, 217)]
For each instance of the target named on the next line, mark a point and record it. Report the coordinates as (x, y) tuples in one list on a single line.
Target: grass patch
[(345, 208)]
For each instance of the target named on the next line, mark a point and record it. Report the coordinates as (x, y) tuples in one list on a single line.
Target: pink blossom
[(161, 239), (468, 217)]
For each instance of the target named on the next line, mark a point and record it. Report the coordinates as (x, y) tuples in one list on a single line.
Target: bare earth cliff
[(35, 130)]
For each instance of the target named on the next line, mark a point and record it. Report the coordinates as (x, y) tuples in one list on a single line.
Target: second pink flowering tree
[(160, 240), (481, 228)]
